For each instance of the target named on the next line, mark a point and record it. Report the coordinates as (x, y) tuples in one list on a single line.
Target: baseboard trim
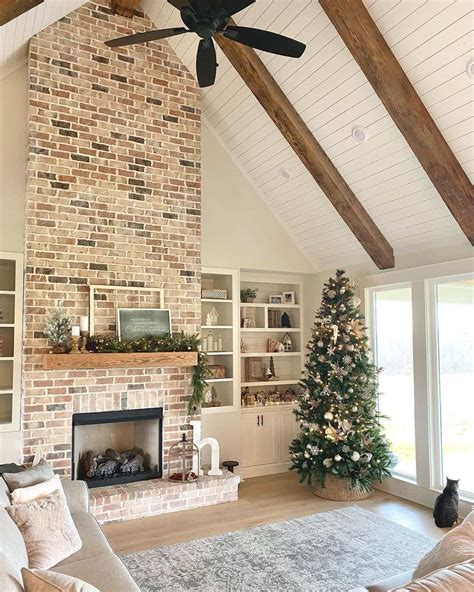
[(418, 494), (262, 470)]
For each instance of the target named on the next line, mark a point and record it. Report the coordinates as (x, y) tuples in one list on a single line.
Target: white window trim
[(423, 281)]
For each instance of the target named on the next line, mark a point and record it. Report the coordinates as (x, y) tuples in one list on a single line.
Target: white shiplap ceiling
[(14, 36), (433, 41)]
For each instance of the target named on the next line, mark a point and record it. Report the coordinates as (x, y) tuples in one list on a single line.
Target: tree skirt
[(328, 552)]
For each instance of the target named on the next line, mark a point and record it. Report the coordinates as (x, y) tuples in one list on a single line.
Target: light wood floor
[(261, 500)]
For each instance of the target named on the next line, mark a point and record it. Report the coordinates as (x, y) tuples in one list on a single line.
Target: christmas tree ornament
[(355, 456), (354, 408), (322, 358), (329, 416), (327, 462), (320, 344), (338, 458), (331, 294)]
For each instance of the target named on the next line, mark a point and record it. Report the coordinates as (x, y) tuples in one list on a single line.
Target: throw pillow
[(35, 580), (48, 530), (30, 476), (455, 547), (23, 495), (456, 578)]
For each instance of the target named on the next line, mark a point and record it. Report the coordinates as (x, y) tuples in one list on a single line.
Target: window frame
[(427, 396), (436, 432), (370, 314)]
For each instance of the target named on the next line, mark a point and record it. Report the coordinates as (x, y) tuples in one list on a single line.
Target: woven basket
[(340, 490)]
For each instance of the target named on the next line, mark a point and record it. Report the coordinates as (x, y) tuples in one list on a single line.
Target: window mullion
[(421, 390)]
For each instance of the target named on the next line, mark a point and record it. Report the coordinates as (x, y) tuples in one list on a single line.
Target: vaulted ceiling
[(432, 41)]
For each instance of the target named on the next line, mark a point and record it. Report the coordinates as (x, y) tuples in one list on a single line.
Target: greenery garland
[(179, 342)]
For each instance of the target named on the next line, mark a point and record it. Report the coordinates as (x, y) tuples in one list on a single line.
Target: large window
[(454, 302), (393, 331)]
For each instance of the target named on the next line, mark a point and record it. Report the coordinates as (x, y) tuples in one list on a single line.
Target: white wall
[(238, 228), (13, 156)]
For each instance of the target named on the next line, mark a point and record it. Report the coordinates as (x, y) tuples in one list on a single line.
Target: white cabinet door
[(289, 429), (259, 438), (250, 424), (267, 438)]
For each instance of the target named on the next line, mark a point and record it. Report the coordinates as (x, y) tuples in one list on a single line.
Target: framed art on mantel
[(133, 323)]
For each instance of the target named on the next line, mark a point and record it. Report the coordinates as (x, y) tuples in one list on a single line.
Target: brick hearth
[(150, 498)]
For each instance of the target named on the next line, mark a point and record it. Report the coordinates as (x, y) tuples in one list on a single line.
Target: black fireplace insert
[(116, 447)]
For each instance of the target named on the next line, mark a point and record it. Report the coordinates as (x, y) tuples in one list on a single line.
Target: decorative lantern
[(180, 461)]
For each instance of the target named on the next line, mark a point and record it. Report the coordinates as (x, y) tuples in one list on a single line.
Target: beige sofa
[(95, 563)]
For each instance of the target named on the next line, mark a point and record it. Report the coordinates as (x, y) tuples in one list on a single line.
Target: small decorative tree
[(58, 328), (341, 448)]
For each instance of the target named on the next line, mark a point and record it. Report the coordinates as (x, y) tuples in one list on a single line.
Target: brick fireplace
[(113, 199)]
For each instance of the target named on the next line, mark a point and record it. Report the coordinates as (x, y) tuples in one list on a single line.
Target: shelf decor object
[(214, 294)]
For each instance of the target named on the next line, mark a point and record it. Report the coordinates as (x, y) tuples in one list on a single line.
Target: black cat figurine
[(445, 511)]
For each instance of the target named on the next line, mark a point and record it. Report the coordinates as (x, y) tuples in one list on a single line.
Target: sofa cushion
[(36, 580), (12, 553), (106, 572), (23, 495), (456, 578), (30, 476), (455, 547), (93, 540), (47, 528)]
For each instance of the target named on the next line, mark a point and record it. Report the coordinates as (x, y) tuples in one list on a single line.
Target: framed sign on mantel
[(105, 300), (133, 323)]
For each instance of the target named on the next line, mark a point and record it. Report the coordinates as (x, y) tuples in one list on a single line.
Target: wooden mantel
[(88, 361)]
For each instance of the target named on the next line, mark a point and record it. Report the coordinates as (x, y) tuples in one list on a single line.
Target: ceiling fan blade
[(147, 36), (235, 6), (266, 41), (179, 4), (206, 65)]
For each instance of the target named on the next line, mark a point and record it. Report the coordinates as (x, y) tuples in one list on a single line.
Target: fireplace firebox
[(116, 447)]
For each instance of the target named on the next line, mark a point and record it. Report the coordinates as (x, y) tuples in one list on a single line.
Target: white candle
[(76, 331), (84, 323)]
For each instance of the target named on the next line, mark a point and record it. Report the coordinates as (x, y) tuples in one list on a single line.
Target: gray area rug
[(329, 552)]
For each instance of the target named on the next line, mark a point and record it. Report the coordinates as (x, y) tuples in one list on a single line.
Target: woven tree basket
[(340, 490)]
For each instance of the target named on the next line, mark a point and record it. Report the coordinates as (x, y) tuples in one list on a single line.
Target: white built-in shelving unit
[(257, 436), (228, 329), (11, 296)]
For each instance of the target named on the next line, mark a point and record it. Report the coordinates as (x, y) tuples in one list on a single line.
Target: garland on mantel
[(179, 342)]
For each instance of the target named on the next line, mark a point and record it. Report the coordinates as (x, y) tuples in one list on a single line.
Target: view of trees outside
[(455, 315), (394, 353)]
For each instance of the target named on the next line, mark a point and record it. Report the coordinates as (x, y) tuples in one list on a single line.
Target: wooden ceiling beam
[(125, 8), (10, 9), (375, 58), (291, 125)]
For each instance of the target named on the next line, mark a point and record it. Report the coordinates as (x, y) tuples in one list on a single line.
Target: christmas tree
[(340, 432)]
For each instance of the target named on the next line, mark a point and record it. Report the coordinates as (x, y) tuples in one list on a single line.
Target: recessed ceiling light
[(284, 173), (359, 134), (470, 68)]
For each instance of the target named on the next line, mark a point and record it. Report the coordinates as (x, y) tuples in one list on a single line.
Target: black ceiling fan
[(207, 18)]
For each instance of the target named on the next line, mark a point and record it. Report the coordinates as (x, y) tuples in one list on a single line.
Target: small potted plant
[(58, 329), (248, 295)]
